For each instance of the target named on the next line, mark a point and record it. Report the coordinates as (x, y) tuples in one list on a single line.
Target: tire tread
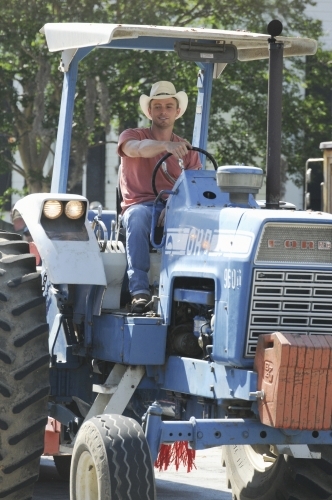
[(130, 470), (24, 368), (288, 479)]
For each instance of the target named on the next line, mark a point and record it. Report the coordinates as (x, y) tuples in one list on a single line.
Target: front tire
[(112, 461), (24, 375), (254, 475)]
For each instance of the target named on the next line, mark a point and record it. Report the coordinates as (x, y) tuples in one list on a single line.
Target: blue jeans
[(137, 222)]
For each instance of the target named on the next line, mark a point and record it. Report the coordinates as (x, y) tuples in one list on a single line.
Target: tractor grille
[(289, 301)]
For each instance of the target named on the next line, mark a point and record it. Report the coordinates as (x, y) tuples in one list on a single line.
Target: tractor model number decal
[(268, 371), (232, 278), (199, 241), (194, 241), (299, 244)]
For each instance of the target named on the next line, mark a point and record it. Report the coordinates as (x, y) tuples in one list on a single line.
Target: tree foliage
[(111, 81)]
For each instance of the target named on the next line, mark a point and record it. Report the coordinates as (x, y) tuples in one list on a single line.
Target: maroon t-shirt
[(136, 173)]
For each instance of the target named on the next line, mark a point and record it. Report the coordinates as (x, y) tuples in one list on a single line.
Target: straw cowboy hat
[(163, 90)]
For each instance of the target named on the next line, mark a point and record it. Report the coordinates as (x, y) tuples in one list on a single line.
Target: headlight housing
[(73, 209)]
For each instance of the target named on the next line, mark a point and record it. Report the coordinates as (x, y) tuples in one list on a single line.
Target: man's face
[(164, 112)]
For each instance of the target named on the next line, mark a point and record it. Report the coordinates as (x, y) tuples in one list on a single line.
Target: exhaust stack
[(273, 152)]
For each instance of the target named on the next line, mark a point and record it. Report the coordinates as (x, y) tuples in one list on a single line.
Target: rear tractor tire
[(111, 460), (255, 474), (24, 369)]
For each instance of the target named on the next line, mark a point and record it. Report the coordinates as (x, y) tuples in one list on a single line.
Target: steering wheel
[(167, 155)]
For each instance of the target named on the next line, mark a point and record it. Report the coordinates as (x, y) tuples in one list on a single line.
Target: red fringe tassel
[(178, 453)]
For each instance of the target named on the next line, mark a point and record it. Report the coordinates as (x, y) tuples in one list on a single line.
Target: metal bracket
[(298, 451), (53, 335), (115, 394), (66, 58)]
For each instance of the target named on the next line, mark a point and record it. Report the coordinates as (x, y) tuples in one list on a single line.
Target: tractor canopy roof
[(69, 37)]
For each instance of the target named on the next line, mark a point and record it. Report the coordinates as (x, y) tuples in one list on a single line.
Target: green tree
[(110, 82), (31, 84)]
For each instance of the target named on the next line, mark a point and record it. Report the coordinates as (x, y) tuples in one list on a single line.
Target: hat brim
[(181, 97)]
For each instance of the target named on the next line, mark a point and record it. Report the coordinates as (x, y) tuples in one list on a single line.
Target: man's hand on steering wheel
[(178, 149), (167, 155)]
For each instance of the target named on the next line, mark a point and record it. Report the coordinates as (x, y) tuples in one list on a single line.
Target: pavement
[(206, 482)]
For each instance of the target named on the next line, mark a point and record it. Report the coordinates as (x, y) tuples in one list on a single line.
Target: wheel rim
[(261, 461), (86, 478)]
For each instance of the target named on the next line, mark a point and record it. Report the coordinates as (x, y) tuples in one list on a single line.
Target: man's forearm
[(146, 149), (149, 148)]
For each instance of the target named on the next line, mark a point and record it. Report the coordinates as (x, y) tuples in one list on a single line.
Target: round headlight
[(53, 209), (74, 209)]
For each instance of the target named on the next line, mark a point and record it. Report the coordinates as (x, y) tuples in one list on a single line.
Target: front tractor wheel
[(24, 362), (253, 473), (111, 461)]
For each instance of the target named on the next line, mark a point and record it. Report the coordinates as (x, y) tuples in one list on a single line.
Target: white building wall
[(111, 170), (323, 12)]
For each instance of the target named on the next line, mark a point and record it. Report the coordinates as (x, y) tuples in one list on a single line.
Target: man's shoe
[(139, 302)]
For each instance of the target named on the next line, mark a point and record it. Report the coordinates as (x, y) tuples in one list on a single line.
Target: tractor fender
[(68, 248)]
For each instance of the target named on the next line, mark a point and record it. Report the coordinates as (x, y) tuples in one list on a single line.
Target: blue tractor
[(236, 349)]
